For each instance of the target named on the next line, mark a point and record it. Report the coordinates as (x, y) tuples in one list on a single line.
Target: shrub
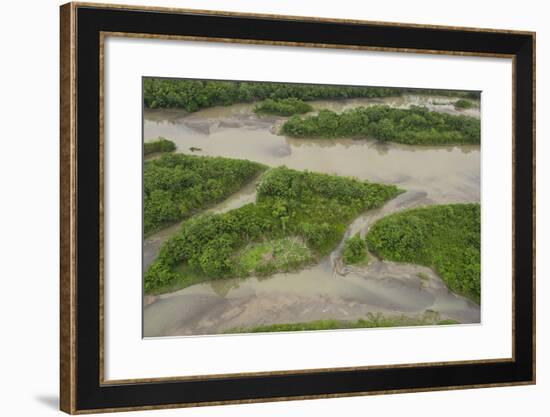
[(355, 250), (463, 104), (298, 217), (444, 237), (415, 125), (159, 145), (176, 186), (193, 95)]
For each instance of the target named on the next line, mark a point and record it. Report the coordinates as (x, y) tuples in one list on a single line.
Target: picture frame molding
[(81, 169)]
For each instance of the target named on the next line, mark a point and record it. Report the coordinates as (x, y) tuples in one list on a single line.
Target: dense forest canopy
[(176, 185), (297, 218), (193, 95), (444, 237), (416, 125)]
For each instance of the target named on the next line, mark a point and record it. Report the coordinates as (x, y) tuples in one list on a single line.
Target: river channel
[(328, 290)]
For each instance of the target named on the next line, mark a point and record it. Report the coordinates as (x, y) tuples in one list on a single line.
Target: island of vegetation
[(413, 126), (372, 321), (158, 146), (176, 185), (355, 250), (443, 237), (298, 217), (282, 107)]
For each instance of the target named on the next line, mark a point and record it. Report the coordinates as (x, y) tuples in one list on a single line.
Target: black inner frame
[(91, 395)]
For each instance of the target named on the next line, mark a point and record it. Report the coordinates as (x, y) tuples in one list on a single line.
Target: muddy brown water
[(328, 290)]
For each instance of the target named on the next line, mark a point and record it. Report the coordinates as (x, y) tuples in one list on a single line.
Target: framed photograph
[(264, 208)]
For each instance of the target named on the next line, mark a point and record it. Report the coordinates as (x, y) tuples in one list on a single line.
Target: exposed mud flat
[(328, 290), (442, 104)]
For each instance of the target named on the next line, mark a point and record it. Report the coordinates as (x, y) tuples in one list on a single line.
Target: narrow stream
[(328, 290)]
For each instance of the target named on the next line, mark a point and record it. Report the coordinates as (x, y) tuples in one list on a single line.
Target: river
[(328, 290)]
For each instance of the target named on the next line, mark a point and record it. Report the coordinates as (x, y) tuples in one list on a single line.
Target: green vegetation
[(265, 258), (372, 321), (184, 277), (193, 95), (463, 104), (447, 322), (283, 107), (159, 145), (447, 93), (416, 125), (355, 250), (298, 217), (176, 186), (445, 238)]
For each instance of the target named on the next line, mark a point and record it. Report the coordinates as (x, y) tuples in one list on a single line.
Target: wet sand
[(442, 104), (328, 290)]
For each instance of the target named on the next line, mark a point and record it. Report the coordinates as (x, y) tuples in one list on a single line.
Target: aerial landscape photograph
[(282, 207)]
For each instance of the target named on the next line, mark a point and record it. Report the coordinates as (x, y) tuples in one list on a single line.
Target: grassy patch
[(282, 107), (177, 186), (298, 217), (355, 250), (159, 145), (463, 104), (263, 258), (446, 322), (372, 321), (445, 238), (416, 125), (184, 277)]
